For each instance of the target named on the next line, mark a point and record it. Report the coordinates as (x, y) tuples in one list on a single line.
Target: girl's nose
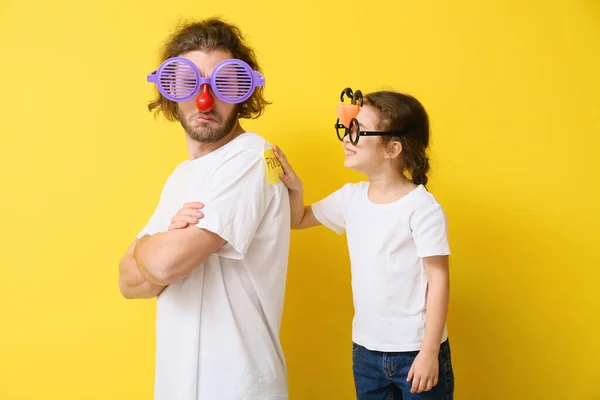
[(346, 138)]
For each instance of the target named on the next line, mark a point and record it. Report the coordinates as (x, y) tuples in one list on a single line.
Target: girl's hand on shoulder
[(289, 177), (424, 372)]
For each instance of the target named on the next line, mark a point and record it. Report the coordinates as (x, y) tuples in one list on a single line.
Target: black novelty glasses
[(354, 132)]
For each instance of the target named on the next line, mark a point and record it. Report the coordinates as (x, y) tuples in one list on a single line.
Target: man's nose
[(204, 101)]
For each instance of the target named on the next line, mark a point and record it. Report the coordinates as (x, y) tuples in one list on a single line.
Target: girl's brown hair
[(403, 113)]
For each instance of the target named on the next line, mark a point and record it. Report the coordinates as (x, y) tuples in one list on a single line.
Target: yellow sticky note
[(274, 169)]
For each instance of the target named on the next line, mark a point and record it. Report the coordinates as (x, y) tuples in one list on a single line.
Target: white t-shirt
[(217, 330), (387, 243)]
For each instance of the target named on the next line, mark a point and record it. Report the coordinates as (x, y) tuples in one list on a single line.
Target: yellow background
[(513, 91)]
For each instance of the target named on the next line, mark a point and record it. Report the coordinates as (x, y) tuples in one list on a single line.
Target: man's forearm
[(167, 257), (132, 284)]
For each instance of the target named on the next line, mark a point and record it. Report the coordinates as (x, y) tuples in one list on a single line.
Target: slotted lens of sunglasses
[(178, 80), (233, 82)]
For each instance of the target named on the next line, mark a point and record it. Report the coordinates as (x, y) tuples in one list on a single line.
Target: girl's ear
[(394, 149)]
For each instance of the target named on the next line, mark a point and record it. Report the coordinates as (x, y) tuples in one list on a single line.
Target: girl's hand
[(289, 177), (424, 372), (190, 214)]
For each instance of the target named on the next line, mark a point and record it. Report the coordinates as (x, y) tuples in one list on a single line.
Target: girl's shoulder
[(352, 188), (425, 203), (424, 197), (360, 185)]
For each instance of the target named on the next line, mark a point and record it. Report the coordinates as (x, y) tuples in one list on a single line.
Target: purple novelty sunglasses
[(233, 81)]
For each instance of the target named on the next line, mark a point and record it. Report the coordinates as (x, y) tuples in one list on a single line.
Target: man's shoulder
[(179, 168), (250, 141), (245, 149)]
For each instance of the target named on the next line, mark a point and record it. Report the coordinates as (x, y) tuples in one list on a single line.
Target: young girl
[(397, 239)]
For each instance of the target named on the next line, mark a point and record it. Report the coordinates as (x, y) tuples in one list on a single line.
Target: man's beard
[(204, 133)]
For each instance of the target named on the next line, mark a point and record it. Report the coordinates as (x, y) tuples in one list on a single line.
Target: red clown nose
[(205, 102)]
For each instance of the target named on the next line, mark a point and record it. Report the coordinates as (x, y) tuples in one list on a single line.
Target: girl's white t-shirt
[(387, 244)]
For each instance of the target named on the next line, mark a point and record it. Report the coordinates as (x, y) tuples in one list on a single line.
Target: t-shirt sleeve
[(429, 227), (235, 201), (153, 226), (331, 211)]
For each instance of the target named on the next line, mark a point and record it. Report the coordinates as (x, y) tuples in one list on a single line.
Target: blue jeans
[(382, 376)]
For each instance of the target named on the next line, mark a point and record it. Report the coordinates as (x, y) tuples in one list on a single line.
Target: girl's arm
[(424, 372), (302, 216), (437, 301)]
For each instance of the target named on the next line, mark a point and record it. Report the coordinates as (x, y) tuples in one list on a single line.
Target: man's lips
[(204, 119)]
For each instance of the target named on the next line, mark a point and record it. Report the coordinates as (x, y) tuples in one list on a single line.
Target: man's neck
[(198, 149)]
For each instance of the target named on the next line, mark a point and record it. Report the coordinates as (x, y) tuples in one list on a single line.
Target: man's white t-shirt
[(217, 330), (387, 243)]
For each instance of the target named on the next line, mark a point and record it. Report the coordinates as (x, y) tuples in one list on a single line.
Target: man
[(219, 275)]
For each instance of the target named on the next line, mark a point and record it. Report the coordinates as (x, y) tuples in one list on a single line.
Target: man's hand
[(424, 372), (190, 214)]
